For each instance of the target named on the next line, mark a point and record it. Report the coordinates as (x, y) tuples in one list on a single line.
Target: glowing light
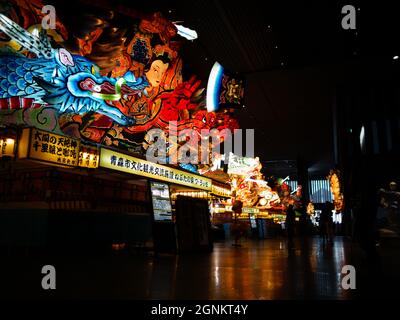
[(338, 199), (362, 138), (287, 178), (294, 191), (7, 147), (395, 57), (263, 201), (186, 32), (213, 87), (109, 159), (310, 208), (35, 31)]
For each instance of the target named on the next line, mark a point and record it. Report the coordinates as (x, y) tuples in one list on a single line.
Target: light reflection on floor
[(260, 269), (269, 270)]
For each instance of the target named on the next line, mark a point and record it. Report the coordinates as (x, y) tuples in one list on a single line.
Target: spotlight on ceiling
[(186, 32), (395, 57)]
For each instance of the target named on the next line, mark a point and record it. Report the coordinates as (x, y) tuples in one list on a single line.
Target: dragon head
[(67, 82)]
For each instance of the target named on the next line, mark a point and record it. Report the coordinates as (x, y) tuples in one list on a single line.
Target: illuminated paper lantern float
[(247, 182), (334, 182), (310, 208), (46, 86)]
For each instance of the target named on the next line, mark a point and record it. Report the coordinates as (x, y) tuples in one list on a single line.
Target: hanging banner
[(121, 162), (48, 147), (88, 157)]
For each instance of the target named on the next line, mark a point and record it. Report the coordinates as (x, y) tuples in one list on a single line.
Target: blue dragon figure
[(66, 82)]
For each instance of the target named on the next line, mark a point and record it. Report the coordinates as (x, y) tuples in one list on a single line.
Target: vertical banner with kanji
[(88, 157), (50, 147)]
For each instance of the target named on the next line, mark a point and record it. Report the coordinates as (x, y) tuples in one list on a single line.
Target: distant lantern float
[(310, 208), (334, 182)]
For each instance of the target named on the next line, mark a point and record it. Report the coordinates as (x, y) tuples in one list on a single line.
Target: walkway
[(264, 269)]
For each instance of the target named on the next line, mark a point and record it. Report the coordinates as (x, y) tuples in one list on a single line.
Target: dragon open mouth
[(106, 90)]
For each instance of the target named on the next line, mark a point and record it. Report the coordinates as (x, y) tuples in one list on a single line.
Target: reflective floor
[(259, 269), (266, 270)]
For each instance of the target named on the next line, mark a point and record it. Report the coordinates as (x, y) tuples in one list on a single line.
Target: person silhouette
[(390, 200), (326, 222), (290, 224)]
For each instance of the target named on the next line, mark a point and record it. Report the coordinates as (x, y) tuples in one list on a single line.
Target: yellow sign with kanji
[(49, 147), (121, 162)]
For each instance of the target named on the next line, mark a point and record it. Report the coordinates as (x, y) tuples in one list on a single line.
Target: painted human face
[(156, 72)]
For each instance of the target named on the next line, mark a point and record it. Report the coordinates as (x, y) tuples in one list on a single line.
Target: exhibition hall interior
[(199, 150)]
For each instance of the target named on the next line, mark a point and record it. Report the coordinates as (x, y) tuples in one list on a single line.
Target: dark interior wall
[(51, 185), (295, 116), (369, 95), (52, 208), (65, 229)]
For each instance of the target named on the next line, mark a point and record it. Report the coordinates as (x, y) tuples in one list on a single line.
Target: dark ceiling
[(293, 54)]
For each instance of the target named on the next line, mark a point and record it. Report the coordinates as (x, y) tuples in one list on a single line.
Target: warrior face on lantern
[(156, 71)]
